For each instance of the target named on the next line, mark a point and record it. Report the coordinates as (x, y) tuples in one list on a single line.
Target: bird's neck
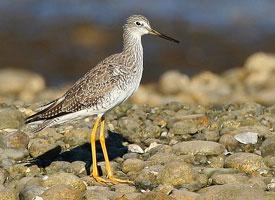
[(132, 44)]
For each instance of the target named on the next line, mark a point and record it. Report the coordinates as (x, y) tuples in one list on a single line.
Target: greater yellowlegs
[(105, 86)]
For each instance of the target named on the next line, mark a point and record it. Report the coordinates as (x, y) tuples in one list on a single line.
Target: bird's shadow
[(82, 153)]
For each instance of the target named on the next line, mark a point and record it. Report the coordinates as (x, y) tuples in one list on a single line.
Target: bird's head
[(138, 25)]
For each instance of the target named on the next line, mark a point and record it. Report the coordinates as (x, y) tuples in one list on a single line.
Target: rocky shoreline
[(197, 149)]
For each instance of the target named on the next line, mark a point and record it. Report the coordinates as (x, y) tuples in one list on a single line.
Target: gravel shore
[(218, 145)]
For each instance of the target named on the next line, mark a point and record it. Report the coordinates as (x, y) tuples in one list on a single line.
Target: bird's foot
[(100, 180), (111, 180), (114, 180)]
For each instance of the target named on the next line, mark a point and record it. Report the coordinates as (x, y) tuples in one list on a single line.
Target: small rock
[(31, 192), (61, 191), (8, 194), (10, 117), (184, 195), (246, 162), (166, 189), (247, 137), (100, 193), (152, 145), (229, 142), (134, 148), (16, 154), (153, 196), (147, 177), (199, 147), (130, 155), (77, 136), (15, 139), (133, 164), (65, 178), (176, 176), (231, 192), (268, 147), (38, 147), (124, 189), (221, 179)]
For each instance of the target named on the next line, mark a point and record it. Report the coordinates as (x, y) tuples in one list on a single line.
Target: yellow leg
[(109, 172), (95, 174)]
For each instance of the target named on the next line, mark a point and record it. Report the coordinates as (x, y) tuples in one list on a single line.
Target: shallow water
[(63, 39)]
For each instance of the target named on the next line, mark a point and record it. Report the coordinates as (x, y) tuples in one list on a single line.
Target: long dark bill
[(154, 32)]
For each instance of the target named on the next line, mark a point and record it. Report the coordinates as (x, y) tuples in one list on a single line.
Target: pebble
[(123, 189), (148, 176), (62, 191), (17, 140), (247, 138), (77, 136), (16, 154), (39, 146), (221, 179), (133, 165), (153, 196), (268, 147), (184, 195), (229, 142), (31, 192), (100, 193), (134, 148), (8, 194), (176, 176), (231, 192), (245, 162), (66, 179), (199, 147), (10, 117)]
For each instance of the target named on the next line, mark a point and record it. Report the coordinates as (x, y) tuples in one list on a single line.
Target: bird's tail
[(41, 126)]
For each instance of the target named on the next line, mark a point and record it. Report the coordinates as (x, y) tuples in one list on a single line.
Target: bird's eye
[(138, 23)]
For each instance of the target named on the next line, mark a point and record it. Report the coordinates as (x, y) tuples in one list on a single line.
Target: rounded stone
[(177, 173), (66, 179), (229, 142), (31, 191), (231, 192), (199, 147), (184, 195), (39, 146), (221, 179), (153, 196), (246, 162), (15, 139), (77, 136), (61, 191), (268, 147), (132, 165), (10, 117), (8, 194)]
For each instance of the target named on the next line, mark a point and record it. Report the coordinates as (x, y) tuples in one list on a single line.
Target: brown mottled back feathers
[(86, 92)]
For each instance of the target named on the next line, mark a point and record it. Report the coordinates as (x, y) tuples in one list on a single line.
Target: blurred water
[(64, 38)]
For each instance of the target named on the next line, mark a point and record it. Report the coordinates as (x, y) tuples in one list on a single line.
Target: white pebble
[(134, 148), (247, 138)]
